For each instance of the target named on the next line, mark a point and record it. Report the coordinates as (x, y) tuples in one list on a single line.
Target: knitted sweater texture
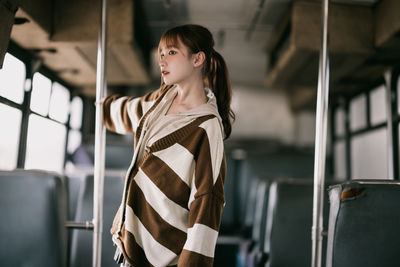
[(174, 193)]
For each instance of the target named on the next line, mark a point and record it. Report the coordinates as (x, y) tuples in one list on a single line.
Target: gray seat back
[(250, 205), (364, 224), (289, 223), (260, 210), (33, 212), (82, 240)]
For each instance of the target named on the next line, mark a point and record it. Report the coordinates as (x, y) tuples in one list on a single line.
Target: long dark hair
[(198, 38)]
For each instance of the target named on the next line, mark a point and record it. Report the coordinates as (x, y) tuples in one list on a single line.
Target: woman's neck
[(191, 94)]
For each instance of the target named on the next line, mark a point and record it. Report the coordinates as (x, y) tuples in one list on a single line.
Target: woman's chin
[(167, 82)]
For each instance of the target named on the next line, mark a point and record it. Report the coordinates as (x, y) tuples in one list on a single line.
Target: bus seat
[(229, 224), (227, 251), (82, 240), (33, 210), (289, 223), (250, 208), (73, 184), (250, 248), (364, 222), (117, 156)]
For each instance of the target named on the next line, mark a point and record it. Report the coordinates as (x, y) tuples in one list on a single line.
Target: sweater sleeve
[(207, 199), (121, 114)]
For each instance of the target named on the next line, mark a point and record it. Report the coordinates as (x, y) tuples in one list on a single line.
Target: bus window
[(340, 120), (398, 94), (76, 113), (369, 155), (59, 103), (74, 135), (74, 140), (45, 146), (40, 94), (378, 105), (340, 160), (10, 120), (12, 78), (358, 113)]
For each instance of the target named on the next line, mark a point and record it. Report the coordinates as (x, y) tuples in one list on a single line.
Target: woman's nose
[(161, 62)]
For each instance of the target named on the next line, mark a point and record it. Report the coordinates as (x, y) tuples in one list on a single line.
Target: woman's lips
[(165, 73)]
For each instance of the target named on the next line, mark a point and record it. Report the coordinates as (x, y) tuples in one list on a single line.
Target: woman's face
[(176, 63)]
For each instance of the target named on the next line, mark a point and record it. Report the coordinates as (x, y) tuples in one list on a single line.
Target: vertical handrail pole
[(320, 140), (389, 120), (100, 132)]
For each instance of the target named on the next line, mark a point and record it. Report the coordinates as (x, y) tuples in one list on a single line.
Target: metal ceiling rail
[(100, 132), (320, 140)]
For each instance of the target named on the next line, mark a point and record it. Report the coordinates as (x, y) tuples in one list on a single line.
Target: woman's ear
[(198, 59)]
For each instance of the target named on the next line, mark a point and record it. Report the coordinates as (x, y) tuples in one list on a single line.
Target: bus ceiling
[(363, 40)]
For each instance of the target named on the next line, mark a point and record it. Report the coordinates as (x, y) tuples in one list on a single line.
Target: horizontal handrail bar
[(88, 225)]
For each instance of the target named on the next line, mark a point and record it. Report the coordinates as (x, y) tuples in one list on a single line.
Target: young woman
[(174, 190)]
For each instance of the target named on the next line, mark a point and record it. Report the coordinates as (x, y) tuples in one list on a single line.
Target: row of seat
[(361, 215), (363, 221), (34, 207)]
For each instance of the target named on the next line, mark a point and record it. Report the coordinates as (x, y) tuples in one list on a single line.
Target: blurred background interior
[(48, 51)]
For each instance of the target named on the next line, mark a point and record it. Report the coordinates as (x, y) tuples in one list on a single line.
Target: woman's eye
[(171, 52)]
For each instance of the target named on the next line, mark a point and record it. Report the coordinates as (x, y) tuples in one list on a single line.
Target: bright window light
[(378, 105), (45, 147), (59, 103), (340, 120), (10, 121), (358, 113), (74, 140), (12, 79), (369, 155), (40, 94), (76, 113)]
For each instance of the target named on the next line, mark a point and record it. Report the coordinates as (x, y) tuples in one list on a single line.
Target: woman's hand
[(100, 102)]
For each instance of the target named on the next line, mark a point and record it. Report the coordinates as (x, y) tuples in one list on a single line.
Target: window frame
[(30, 60), (393, 118)]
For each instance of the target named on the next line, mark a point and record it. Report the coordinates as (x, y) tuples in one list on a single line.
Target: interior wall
[(266, 114)]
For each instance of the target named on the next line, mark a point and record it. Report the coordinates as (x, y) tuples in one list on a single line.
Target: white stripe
[(171, 212), (146, 105), (201, 239), (131, 107), (115, 111), (216, 144), (157, 254), (179, 159)]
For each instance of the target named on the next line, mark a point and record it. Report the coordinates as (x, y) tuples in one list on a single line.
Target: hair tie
[(213, 52)]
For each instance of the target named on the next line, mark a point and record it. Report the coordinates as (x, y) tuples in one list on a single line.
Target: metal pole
[(389, 116), (100, 132), (320, 141)]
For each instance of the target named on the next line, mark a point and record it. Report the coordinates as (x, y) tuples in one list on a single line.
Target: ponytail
[(217, 76)]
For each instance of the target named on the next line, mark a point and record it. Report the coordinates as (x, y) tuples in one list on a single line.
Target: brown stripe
[(157, 93), (218, 188), (193, 259), (107, 114), (139, 109), (166, 180), (126, 120), (133, 253), (199, 146), (206, 210), (163, 232), (182, 133), (115, 224)]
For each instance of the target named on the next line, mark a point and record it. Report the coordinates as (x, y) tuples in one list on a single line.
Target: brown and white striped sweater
[(174, 190)]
